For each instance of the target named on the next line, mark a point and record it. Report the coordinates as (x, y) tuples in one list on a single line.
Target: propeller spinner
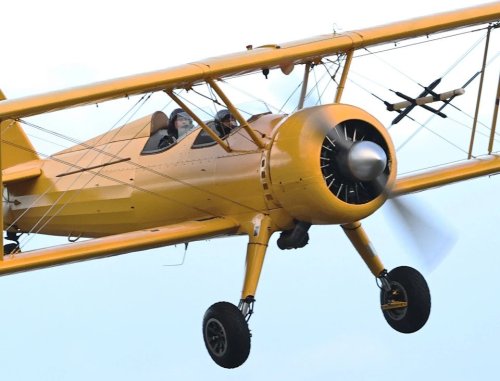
[(366, 161), (354, 161)]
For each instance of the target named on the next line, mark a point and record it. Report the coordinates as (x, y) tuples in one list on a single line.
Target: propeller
[(354, 161), (356, 168), (421, 229)]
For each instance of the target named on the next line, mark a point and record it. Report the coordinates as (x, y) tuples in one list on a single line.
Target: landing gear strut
[(404, 295), (225, 326)]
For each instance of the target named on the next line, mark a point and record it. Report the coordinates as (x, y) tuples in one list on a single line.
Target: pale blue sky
[(317, 311)]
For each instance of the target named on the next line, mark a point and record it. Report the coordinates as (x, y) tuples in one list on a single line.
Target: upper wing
[(117, 244), (269, 56)]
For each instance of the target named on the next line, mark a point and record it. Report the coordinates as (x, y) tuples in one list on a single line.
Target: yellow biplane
[(150, 184)]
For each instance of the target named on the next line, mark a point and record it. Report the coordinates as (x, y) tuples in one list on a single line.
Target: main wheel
[(226, 335), (407, 286)]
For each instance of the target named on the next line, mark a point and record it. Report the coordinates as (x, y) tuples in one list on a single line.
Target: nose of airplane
[(366, 160)]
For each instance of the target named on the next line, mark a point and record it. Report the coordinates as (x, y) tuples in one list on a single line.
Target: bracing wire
[(250, 95), (137, 105), (431, 117), (316, 86), (150, 170), (214, 101), (429, 40), (456, 63), (97, 173), (422, 125)]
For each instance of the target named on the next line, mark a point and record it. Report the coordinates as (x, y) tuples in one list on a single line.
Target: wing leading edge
[(117, 244), (269, 57), (446, 175)]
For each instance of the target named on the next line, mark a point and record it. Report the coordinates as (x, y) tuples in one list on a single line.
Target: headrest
[(158, 121)]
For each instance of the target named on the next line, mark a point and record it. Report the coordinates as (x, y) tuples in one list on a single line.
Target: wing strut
[(202, 124), (343, 79), (494, 121), (234, 112), (479, 92), (1, 206), (305, 82)]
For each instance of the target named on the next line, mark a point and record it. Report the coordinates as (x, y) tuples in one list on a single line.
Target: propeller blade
[(430, 238)]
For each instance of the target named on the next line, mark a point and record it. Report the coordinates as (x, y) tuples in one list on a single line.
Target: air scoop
[(366, 160)]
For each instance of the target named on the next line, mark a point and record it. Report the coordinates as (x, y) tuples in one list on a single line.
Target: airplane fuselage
[(105, 186), (117, 183)]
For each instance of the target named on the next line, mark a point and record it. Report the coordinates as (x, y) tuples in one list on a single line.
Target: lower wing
[(117, 244)]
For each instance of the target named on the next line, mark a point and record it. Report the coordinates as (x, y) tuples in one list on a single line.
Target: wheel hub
[(217, 338), (395, 301)]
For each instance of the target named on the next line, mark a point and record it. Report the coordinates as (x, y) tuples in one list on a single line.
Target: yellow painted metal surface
[(199, 193), (16, 147), (256, 251), (447, 175), (361, 242), (343, 78), (112, 196), (297, 181), (140, 128), (117, 244), (272, 56), (22, 172)]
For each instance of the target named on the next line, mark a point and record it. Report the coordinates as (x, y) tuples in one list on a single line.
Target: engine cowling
[(331, 164)]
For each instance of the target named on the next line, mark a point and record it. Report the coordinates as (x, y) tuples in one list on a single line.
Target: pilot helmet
[(224, 116), (180, 113)]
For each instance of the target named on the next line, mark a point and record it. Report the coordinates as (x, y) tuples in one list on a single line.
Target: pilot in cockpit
[(179, 124), (224, 122)]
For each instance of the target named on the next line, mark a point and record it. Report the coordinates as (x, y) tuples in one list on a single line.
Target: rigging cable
[(420, 124), (139, 166), (138, 104), (72, 166), (135, 187), (474, 45), (433, 115)]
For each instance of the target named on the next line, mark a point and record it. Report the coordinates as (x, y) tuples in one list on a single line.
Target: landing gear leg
[(256, 251), (362, 244), (225, 326), (404, 295)]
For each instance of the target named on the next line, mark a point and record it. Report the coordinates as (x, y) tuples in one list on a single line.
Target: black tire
[(407, 285), (10, 248), (226, 335)]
